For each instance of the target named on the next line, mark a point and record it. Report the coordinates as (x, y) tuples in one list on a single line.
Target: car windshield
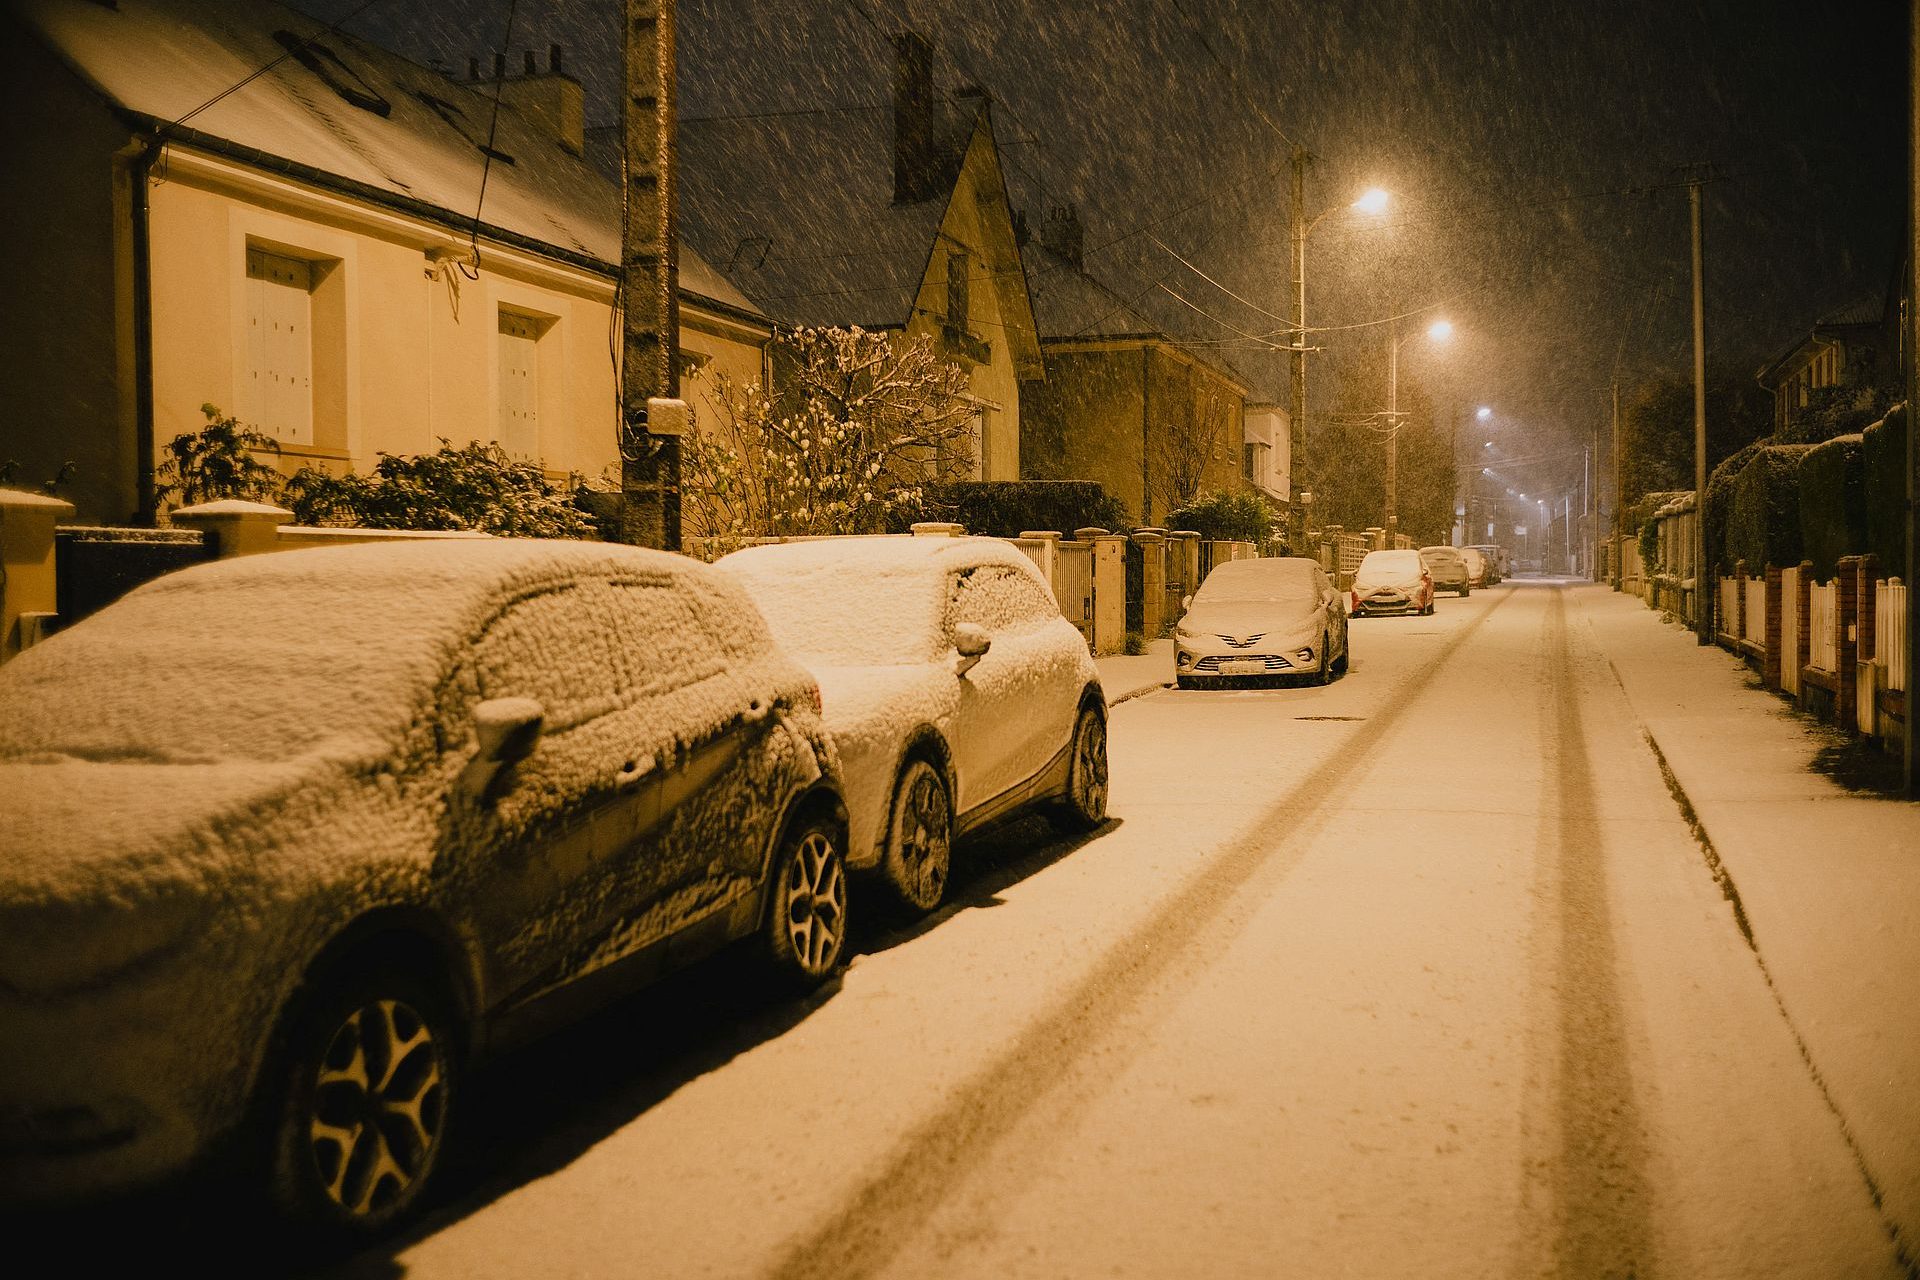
[(1439, 555), (1283, 580), (1390, 564), (204, 671), (850, 610)]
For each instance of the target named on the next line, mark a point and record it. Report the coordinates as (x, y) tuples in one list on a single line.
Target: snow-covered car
[(1479, 569), (1392, 582), (1263, 618), (1448, 568), (291, 840), (955, 691), (1499, 563)]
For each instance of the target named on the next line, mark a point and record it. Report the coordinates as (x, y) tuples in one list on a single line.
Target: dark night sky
[(1531, 146)]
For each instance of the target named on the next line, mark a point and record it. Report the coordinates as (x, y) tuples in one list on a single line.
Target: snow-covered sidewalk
[(1829, 880), (1125, 677)]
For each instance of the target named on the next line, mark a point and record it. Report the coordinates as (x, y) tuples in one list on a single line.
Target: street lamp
[(1373, 201), (1483, 413), (1438, 331)]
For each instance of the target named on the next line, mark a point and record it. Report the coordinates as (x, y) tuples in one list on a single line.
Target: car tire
[(1465, 591), (806, 925), (920, 837), (1346, 652), (1085, 805), (1323, 675), (366, 1085)]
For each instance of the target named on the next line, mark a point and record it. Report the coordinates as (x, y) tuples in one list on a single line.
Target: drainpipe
[(1146, 439), (138, 173)]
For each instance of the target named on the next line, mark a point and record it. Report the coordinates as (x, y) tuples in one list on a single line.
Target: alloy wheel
[(378, 1111), (814, 896)]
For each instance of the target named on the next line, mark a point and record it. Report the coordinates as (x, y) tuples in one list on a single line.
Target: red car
[(1392, 582)]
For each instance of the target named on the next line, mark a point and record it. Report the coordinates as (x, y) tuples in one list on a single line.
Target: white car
[(1392, 582), (1275, 616), (954, 690), (290, 840)]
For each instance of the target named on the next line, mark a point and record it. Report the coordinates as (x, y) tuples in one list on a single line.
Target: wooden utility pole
[(652, 417), (1298, 430), (1620, 491), (1911, 767), (1703, 593)]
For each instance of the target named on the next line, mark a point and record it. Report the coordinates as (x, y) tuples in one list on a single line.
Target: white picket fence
[(1726, 619), (1755, 631), (1890, 633), (1823, 651)]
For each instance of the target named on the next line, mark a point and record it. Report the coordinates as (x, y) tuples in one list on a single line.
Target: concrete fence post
[(28, 595), (1109, 590), (1739, 602), (938, 529), (1153, 582), (1770, 660), (236, 527)]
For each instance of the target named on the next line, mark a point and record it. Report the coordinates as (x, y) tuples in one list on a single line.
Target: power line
[(234, 88)]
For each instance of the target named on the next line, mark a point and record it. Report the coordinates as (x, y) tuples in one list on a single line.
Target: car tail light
[(1356, 601), (819, 702)]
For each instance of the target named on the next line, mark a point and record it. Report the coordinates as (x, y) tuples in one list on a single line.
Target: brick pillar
[(238, 527), (1770, 660), (1867, 593), (1803, 637), (1845, 616)]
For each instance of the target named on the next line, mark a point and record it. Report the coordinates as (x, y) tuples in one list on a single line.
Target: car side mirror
[(508, 730), (971, 642), (1186, 603)]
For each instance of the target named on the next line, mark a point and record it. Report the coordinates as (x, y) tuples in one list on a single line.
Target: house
[(1154, 420), (233, 205), (1858, 345), (893, 220)]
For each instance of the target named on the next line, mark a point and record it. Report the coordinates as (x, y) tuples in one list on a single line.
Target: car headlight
[(53, 949)]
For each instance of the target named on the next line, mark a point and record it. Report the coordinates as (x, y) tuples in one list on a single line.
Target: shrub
[(1833, 502), (1237, 517), (1885, 459), (217, 462), (1762, 513), (474, 487), (1008, 508)]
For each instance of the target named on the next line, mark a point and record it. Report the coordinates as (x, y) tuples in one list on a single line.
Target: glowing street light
[(1438, 331), (1373, 201), (1483, 413)]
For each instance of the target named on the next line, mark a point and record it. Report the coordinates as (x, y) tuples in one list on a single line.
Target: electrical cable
[(472, 272), (241, 84)]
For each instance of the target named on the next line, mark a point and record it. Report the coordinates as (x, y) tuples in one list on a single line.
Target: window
[(277, 385), (517, 413), (1000, 599)]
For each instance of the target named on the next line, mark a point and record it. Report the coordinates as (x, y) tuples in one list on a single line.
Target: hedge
[(1884, 448), (1238, 517), (1008, 508), (1720, 496), (1761, 517), (1833, 502)]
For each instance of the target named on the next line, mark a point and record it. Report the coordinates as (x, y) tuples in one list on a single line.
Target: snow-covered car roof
[(279, 655), (859, 601), (1398, 559), (1264, 578), (1442, 552)]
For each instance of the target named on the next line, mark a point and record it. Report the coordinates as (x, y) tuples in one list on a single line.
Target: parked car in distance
[(1479, 570), (1392, 582), (1266, 618), (955, 691), (293, 839), (1499, 562), (1448, 568)]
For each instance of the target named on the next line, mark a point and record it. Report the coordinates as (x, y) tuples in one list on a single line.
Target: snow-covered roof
[(274, 656), (800, 210), (366, 120)]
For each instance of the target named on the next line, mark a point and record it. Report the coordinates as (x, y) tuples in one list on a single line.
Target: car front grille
[(1211, 664)]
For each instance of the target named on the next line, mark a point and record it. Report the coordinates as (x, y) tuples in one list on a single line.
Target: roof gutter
[(427, 212)]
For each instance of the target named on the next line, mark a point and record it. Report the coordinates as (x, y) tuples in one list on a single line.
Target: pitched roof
[(799, 209), (350, 113)]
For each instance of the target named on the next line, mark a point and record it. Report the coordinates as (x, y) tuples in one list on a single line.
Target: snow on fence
[(1890, 633), (1790, 631), (1726, 622), (1823, 649), (1755, 630)]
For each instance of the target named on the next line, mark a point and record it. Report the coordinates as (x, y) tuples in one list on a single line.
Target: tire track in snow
[(885, 1210), (1591, 1165)]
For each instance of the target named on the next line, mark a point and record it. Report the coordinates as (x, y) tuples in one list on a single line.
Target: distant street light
[(1373, 201), (1483, 414), (1438, 331)]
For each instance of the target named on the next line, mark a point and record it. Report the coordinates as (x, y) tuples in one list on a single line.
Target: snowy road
[(1418, 975)]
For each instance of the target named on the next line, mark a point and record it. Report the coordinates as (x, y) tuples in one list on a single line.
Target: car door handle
[(756, 711), (632, 773)]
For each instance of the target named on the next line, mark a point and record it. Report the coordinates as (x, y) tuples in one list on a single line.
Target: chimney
[(1063, 236), (551, 99), (914, 170)]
